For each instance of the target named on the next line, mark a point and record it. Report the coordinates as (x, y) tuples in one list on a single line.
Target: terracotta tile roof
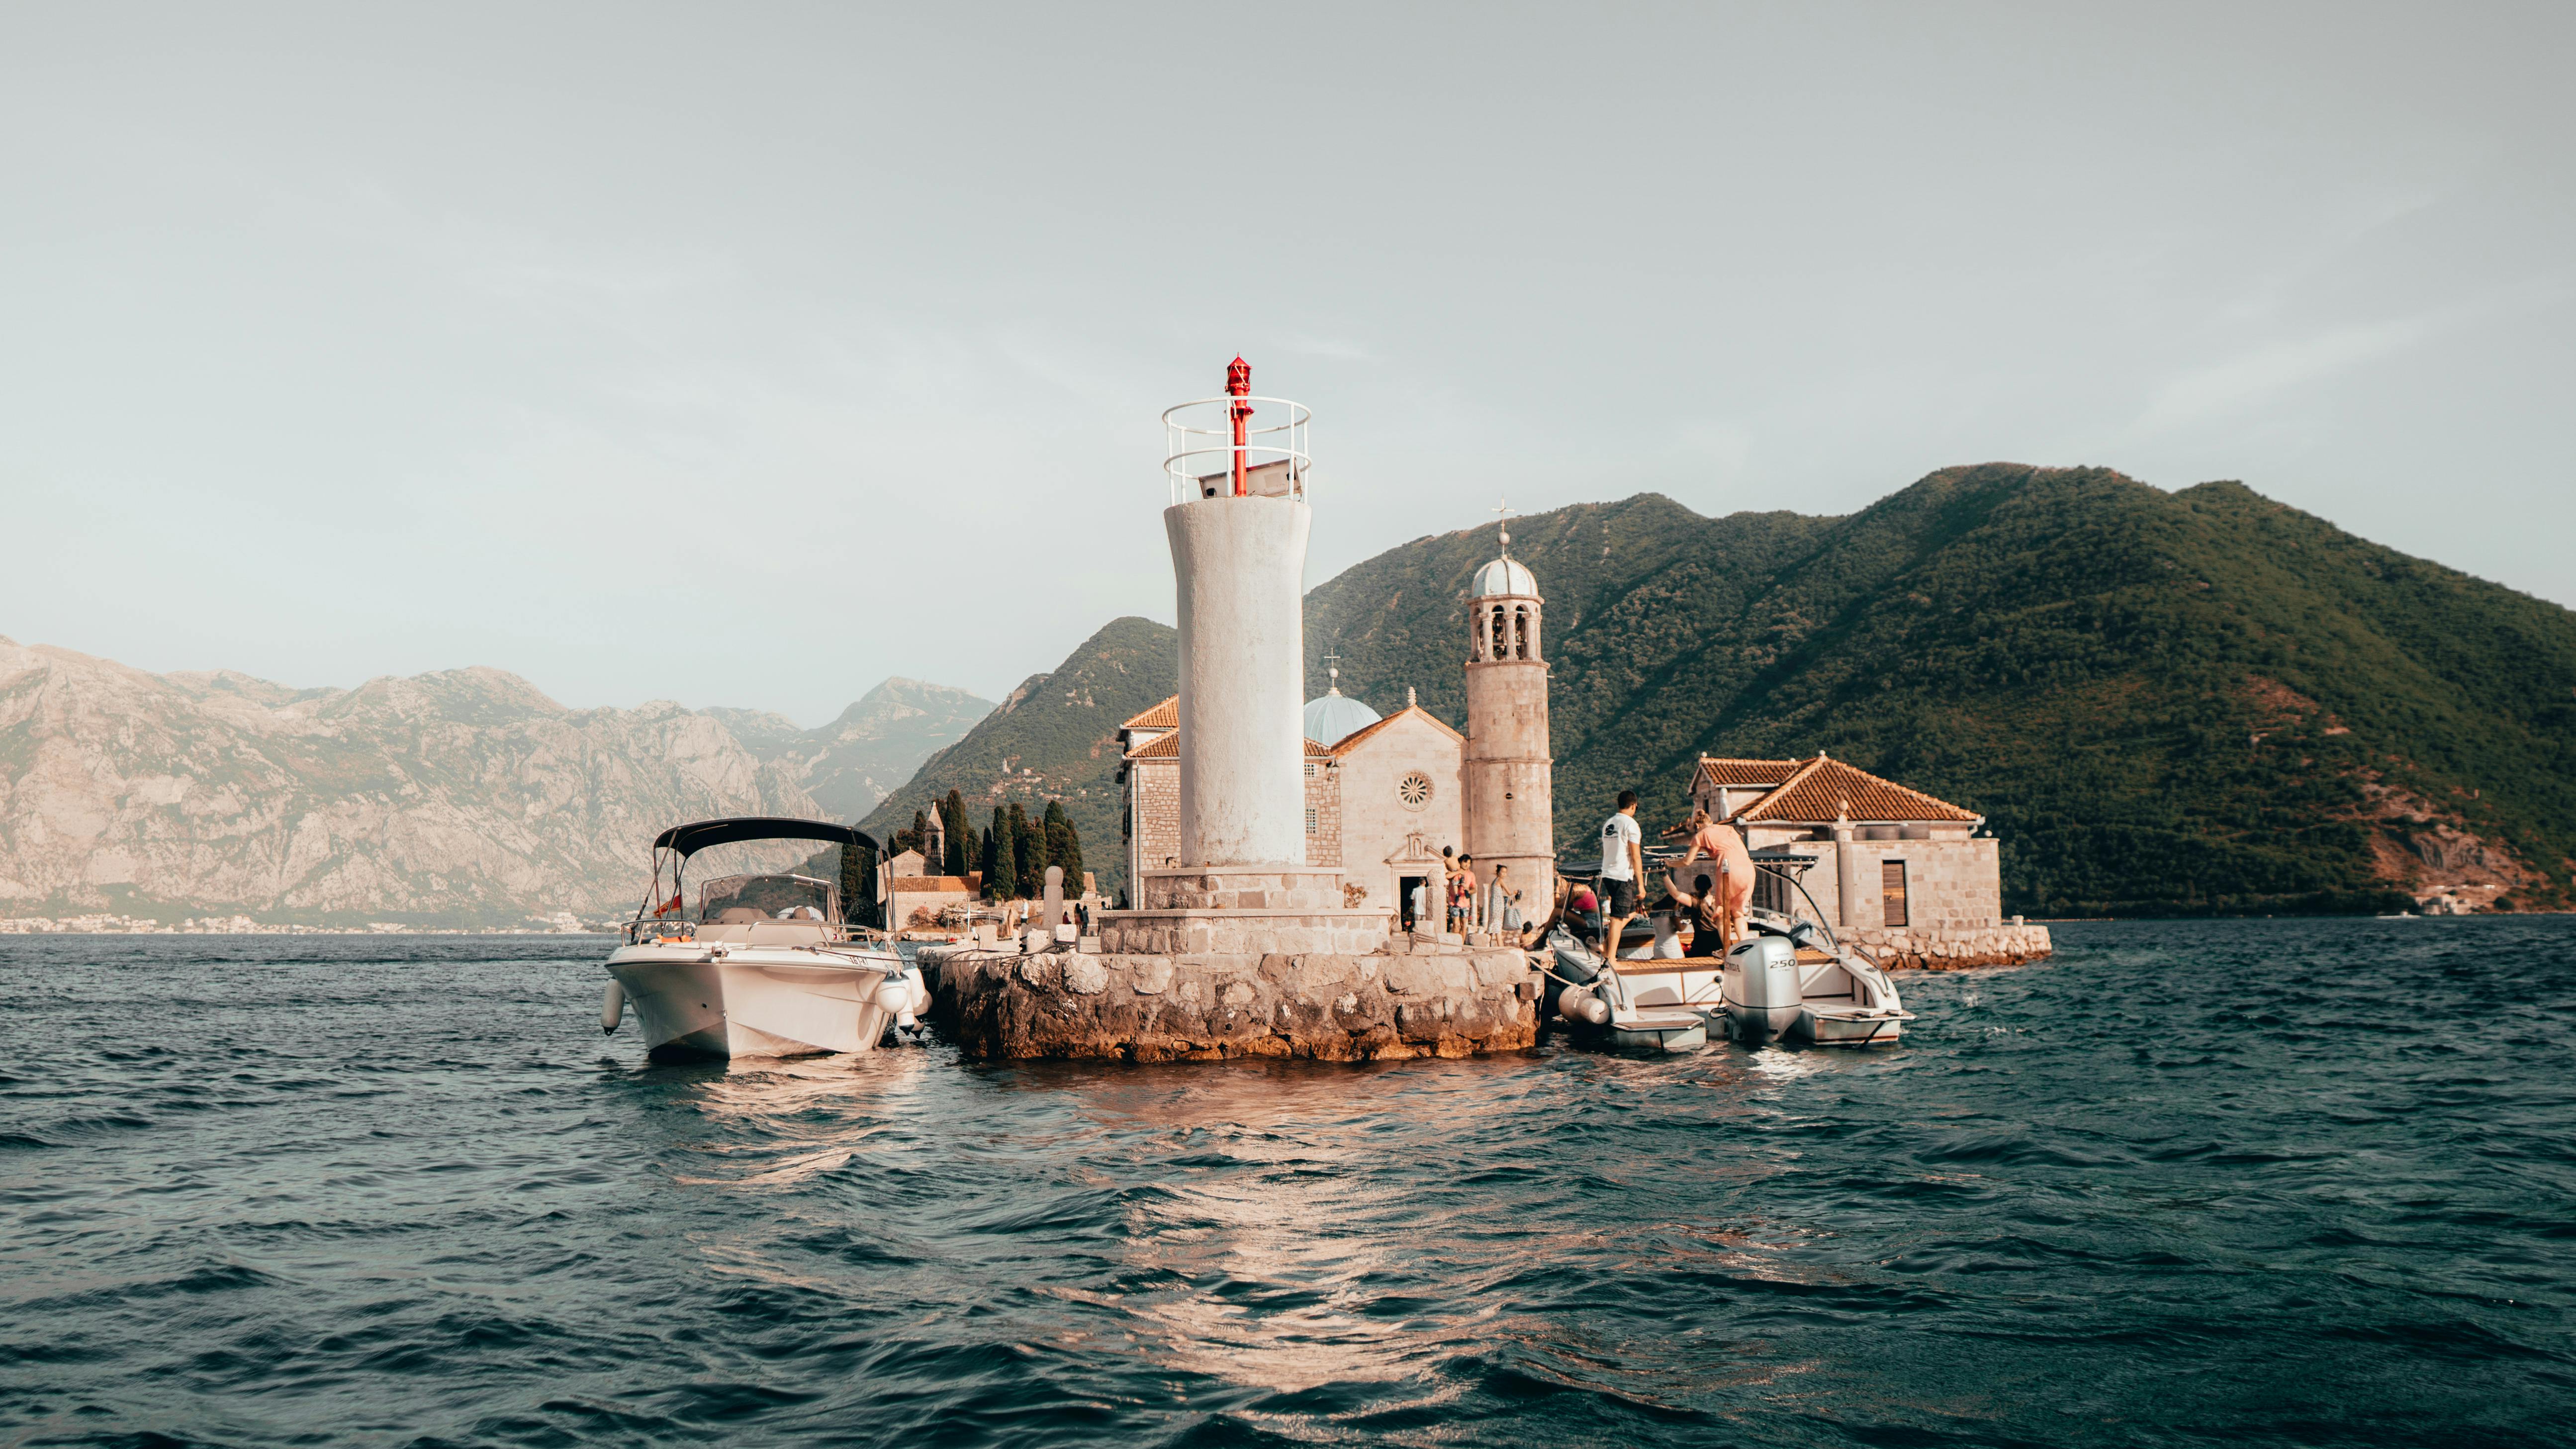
[(1735, 774), (1165, 746), (1164, 716), (1410, 711), (922, 885), (1823, 789), (1168, 747)]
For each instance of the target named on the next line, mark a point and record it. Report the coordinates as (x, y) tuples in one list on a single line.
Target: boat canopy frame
[(683, 841), (700, 835)]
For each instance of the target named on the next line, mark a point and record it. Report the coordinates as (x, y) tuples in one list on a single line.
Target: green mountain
[(2163, 702), (1055, 738)]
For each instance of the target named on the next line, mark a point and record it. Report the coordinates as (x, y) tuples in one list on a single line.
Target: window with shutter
[(1891, 874)]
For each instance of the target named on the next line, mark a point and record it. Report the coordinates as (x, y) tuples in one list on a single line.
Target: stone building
[(1508, 774), (916, 902), (1153, 797), (1911, 877), (1386, 794)]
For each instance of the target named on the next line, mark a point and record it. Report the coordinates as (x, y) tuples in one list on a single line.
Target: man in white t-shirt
[(1623, 865)]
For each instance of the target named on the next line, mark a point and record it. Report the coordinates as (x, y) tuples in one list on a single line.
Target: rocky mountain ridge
[(463, 797)]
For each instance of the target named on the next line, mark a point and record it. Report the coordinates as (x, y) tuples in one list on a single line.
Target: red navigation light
[(1238, 385)]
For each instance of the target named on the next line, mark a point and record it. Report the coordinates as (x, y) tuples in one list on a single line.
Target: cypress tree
[(1064, 846), (1001, 860), (912, 839), (859, 885), (1028, 844), (960, 835)]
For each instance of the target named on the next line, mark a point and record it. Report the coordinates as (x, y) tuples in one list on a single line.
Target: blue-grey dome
[(1504, 576), (1336, 717)]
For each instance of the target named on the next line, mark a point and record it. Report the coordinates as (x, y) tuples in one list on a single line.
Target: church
[(1386, 793)]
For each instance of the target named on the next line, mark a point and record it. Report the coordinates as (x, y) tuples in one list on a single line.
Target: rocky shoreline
[(1903, 950), (1417, 1000)]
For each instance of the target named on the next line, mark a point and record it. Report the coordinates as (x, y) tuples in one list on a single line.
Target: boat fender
[(612, 1008), (1576, 1004), (920, 996), (895, 996)]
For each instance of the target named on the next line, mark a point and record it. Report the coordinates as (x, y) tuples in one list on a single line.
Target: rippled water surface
[(2307, 1182)]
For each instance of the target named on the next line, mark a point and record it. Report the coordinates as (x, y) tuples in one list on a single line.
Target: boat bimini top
[(738, 900), (689, 839)]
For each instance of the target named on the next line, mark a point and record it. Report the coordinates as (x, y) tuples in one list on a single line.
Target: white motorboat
[(1790, 979), (765, 966)]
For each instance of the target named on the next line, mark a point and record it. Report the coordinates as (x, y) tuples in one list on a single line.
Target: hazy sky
[(748, 354)]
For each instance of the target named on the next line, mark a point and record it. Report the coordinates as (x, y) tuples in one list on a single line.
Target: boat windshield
[(734, 899)]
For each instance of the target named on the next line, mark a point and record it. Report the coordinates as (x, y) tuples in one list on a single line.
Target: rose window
[(1414, 790)]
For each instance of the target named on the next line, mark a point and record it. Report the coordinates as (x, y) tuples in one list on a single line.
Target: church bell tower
[(1510, 792)]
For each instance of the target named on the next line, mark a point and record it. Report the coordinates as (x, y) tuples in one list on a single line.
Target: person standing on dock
[(1623, 865)]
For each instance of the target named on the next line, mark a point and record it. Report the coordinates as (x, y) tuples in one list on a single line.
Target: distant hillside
[(462, 798), (1056, 738), (853, 762), (2163, 702)]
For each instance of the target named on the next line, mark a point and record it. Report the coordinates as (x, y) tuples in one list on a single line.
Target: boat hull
[(690, 1001), (1656, 1031)]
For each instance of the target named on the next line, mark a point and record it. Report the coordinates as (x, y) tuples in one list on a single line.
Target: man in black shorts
[(1623, 866)]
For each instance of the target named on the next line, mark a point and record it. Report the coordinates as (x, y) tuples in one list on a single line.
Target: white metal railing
[(1198, 442)]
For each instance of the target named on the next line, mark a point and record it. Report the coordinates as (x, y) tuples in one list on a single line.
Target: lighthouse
[(1238, 524)]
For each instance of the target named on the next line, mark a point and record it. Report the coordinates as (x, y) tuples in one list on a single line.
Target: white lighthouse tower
[(1238, 527)]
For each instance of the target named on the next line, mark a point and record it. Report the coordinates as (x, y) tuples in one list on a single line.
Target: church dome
[(1336, 717), (1504, 576)]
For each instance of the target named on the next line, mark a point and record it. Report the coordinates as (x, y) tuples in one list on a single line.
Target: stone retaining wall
[(1951, 950), (1414, 1002)]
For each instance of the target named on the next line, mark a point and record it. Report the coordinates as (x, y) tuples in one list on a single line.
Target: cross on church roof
[(1333, 672), (1503, 515)]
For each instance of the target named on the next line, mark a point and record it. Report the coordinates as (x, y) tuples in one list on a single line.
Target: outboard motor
[(1761, 988)]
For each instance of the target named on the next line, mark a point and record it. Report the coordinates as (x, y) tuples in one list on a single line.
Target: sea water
[(2239, 1181)]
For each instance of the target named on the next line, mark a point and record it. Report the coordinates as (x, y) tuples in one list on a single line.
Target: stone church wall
[(1375, 819), (1157, 787), (1324, 808)]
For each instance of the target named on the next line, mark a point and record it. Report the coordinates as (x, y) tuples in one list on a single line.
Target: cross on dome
[(1503, 515)]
